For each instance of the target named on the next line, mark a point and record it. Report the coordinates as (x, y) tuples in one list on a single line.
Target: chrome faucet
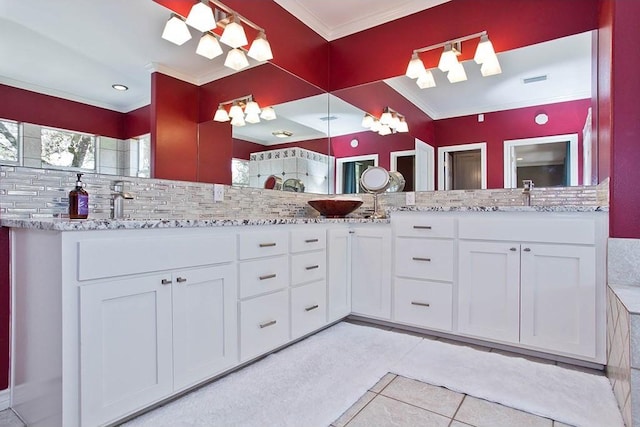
[(528, 186), (117, 200)]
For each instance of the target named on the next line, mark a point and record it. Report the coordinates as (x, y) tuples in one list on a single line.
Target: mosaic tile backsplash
[(42, 193)]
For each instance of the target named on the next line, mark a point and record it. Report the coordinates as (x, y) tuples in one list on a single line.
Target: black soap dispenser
[(78, 201)]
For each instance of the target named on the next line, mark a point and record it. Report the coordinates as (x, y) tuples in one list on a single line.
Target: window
[(67, 149), (240, 172), (9, 141), (144, 156)]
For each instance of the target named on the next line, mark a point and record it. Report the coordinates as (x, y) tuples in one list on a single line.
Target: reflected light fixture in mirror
[(448, 63), (389, 122), (239, 117)]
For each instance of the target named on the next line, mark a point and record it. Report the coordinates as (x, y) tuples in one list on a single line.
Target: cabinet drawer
[(308, 240), (308, 267), (308, 308), (551, 229), (430, 259), (262, 244), (98, 258), (421, 303), (424, 226), (263, 275), (264, 324)]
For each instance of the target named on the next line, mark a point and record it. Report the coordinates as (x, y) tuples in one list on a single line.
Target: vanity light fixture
[(243, 110), (389, 122), (176, 31), (448, 63), (219, 23)]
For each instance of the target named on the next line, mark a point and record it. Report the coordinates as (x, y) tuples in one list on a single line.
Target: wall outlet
[(218, 192), (410, 198)]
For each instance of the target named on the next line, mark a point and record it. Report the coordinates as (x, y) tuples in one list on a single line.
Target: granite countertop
[(63, 224)]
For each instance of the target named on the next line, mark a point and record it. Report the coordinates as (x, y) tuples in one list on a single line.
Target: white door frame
[(340, 165), (425, 166), (394, 157), (510, 175), (443, 182)]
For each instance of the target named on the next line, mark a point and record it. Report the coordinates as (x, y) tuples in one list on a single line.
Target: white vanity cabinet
[(371, 271), (339, 273), (534, 280), (424, 261)]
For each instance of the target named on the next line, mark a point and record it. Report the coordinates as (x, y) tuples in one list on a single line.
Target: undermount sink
[(335, 207)]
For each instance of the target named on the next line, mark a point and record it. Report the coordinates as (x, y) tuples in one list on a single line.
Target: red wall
[(31, 107), (371, 143), (174, 128), (356, 59), (564, 118), (215, 150), (625, 122), (5, 303), (137, 122)]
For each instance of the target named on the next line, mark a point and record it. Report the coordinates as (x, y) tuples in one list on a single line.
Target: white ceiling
[(77, 49)]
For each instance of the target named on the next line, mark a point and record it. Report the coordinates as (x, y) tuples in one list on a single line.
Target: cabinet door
[(205, 326), (558, 304), (125, 347), (339, 274), (371, 272), (264, 324), (489, 290)]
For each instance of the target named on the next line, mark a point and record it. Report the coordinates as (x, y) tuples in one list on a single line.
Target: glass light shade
[(176, 31), (375, 127), (367, 121), (384, 130), (403, 126), (221, 115), (457, 74), (236, 111), (252, 118), (252, 107), (238, 121), (268, 113), (415, 67), (201, 17), (233, 35), (484, 51), (426, 80), (260, 49), (395, 121), (236, 59), (490, 67), (448, 59), (208, 46), (386, 117)]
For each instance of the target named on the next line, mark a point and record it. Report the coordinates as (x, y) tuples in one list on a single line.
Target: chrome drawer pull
[(527, 249), (267, 245), (422, 227), (268, 276), (166, 282), (416, 258), (265, 325), (421, 304), (311, 241), (181, 280), (313, 307), (513, 249), (312, 267)]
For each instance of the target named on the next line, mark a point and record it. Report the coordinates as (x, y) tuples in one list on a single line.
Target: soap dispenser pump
[(78, 201)]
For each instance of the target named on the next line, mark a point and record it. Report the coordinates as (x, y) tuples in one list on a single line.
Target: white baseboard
[(5, 399)]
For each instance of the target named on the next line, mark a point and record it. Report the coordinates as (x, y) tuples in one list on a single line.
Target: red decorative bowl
[(336, 207)]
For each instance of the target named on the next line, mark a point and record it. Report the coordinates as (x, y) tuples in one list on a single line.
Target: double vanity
[(111, 317)]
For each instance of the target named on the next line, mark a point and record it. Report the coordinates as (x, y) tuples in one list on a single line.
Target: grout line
[(361, 409), (453, 417), (416, 406)]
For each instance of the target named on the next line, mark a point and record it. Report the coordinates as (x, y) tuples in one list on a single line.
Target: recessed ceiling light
[(282, 134), (120, 87)]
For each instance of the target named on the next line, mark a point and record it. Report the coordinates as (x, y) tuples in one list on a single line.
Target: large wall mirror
[(542, 99)]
